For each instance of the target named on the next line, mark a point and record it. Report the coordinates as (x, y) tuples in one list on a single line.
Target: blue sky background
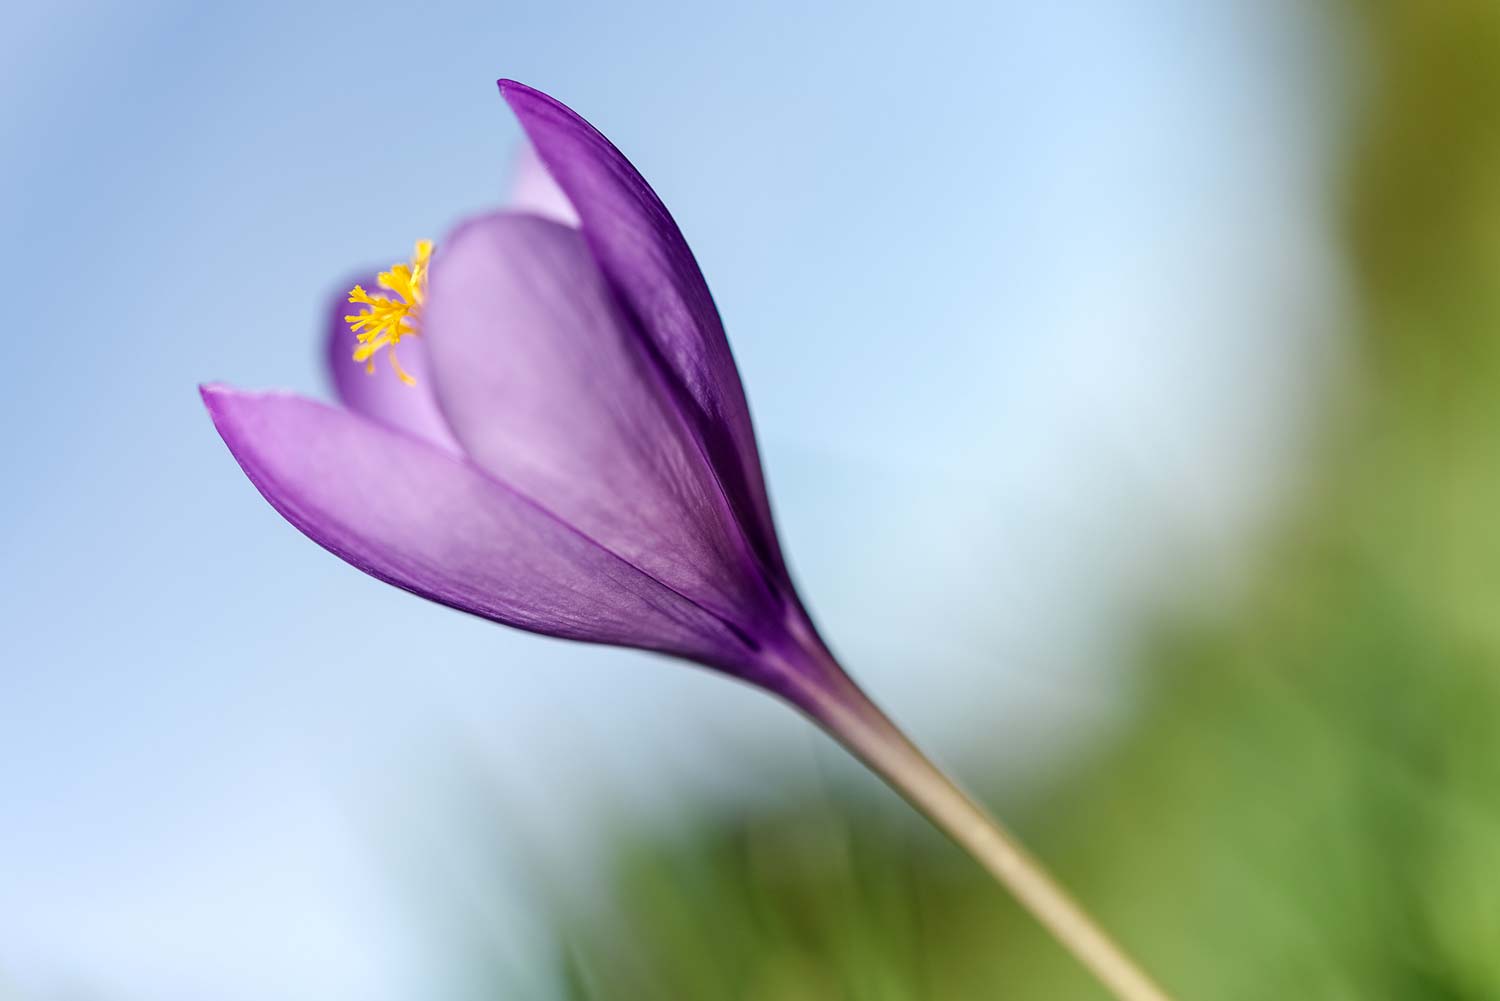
[(1031, 302)]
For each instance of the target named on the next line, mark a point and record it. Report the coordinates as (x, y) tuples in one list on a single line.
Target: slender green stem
[(853, 720)]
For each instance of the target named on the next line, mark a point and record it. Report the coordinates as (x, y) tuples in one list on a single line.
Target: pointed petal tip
[(212, 394), (519, 96), (226, 403)]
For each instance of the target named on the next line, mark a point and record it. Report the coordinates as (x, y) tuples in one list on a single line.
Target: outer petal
[(403, 511), (547, 385), (379, 394), (533, 190), (643, 254)]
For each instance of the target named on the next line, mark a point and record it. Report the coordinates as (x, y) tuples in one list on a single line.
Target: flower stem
[(857, 723)]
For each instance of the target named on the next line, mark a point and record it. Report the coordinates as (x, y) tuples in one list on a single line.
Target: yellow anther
[(391, 314)]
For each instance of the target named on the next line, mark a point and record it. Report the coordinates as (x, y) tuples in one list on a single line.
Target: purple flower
[(564, 445)]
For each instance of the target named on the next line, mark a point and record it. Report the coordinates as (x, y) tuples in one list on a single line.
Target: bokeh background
[(1126, 379)]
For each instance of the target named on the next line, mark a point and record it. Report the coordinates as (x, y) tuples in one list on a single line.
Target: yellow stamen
[(389, 317)]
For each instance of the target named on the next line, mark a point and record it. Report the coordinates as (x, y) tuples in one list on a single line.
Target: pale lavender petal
[(380, 394), (533, 190), (546, 384), (644, 256), (414, 516)]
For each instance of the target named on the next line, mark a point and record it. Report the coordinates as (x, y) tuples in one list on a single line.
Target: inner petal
[(545, 383)]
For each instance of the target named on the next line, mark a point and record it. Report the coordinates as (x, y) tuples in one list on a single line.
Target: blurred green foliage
[(1308, 805)]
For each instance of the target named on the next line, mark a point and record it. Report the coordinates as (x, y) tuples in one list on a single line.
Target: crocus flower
[(541, 423)]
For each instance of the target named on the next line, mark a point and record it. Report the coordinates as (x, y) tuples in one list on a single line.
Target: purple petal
[(533, 190), (380, 394), (643, 254), (414, 516), (547, 386)]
